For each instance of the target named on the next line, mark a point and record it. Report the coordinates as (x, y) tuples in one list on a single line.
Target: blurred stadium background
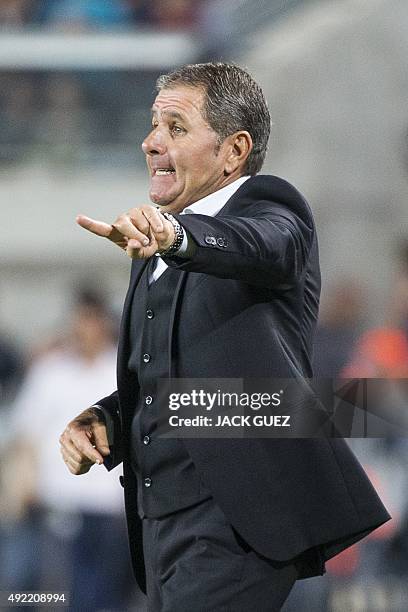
[(76, 84)]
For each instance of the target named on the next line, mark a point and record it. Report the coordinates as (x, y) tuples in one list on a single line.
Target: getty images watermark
[(281, 408), (219, 401)]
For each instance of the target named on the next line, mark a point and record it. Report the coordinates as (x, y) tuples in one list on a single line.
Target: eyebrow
[(170, 114)]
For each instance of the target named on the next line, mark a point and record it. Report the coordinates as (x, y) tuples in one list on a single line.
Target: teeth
[(164, 171)]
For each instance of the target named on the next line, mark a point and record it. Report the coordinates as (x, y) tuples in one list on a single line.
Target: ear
[(239, 146)]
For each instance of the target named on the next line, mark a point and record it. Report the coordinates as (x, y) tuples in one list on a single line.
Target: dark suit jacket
[(246, 306)]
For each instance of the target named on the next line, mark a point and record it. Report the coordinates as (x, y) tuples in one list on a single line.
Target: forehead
[(185, 101)]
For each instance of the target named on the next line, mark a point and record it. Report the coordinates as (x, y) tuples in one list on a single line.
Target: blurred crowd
[(60, 533), (69, 115), (371, 575), (82, 15), (346, 347), (66, 117)]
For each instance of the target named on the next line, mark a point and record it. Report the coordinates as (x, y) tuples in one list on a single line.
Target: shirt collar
[(212, 204)]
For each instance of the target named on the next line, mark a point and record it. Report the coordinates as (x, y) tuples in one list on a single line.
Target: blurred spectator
[(65, 124), (18, 107), (383, 352), (11, 370), (338, 327), (379, 353), (69, 530)]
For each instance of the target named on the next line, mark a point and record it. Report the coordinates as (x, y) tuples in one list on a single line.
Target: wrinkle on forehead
[(184, 99)]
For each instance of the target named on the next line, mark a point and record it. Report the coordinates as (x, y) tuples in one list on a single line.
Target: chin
[(163, 200), (160, 200)]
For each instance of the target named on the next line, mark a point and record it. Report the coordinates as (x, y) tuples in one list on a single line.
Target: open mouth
[(164, 171)]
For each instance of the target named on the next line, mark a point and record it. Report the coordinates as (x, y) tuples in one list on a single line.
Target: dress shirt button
[(147, 482), (148, 400), (146, 440), (146, 357), (149, 313)]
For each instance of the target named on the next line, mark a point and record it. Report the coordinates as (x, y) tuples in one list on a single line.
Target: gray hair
[(233, 102)]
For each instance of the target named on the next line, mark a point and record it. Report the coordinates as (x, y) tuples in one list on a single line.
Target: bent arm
[(269, 248)]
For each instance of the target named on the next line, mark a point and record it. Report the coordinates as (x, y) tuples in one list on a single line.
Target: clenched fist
[(85, 441)]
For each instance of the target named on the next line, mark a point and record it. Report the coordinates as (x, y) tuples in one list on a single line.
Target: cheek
[(200, 163)]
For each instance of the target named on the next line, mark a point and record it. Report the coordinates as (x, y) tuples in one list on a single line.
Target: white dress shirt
[(210, 206)]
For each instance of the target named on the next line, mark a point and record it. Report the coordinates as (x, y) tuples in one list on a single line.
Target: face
[(182, 152)]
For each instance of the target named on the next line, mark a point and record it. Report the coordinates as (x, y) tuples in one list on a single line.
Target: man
[(227, 524)]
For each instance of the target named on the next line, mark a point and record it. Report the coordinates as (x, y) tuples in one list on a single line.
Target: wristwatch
[(178, 235)]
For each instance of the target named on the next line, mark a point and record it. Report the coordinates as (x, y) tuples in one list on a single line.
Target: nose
[(154, 143)]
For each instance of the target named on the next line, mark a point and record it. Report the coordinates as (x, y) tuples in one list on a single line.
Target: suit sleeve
[(265, 249), (110, 407)]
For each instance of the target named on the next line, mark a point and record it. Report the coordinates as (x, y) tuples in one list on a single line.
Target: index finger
[(81, 442), (100, 228)]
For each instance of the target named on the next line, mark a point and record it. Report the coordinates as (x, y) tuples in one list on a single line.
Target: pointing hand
[(141, 232)]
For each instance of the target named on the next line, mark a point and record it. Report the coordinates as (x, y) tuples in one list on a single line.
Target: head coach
[(218, 524)]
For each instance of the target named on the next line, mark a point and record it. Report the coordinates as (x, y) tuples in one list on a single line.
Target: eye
[(176, 129)]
